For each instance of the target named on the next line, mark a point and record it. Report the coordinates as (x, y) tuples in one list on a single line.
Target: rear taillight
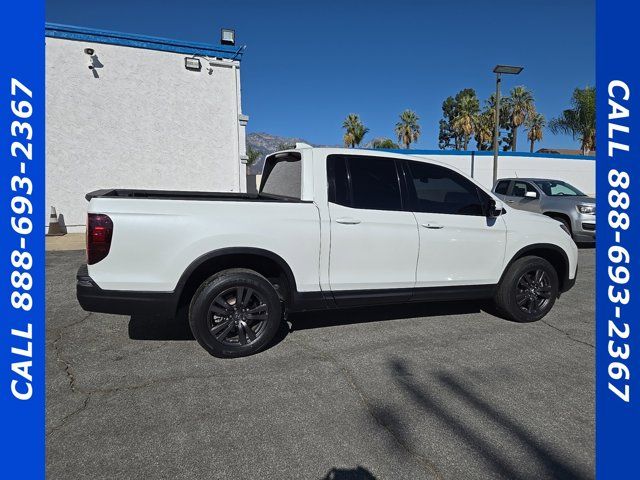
[(99, 232)]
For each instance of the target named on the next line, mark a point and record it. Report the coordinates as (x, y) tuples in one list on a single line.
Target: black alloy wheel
[(533, 291), (238, 316), (235, 313), (527, 290)]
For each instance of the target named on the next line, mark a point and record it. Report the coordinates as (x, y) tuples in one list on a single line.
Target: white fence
[(577, 170)]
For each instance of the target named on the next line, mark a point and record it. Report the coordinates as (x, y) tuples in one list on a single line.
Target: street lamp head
[(509, 69)]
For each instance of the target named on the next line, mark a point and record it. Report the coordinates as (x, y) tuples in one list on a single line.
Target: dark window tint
[(439, 190), (520, 188), (502, 187), (374, 183), (283, 177), (338, 180)]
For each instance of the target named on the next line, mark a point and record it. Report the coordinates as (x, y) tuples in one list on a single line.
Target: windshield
[(556, 188)]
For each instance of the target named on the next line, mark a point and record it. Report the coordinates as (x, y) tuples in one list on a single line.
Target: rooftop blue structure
[(70, 32)]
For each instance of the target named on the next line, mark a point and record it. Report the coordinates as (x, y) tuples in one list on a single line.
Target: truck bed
[(186, 195)]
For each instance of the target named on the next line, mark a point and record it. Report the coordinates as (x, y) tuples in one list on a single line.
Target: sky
[(309, 64)]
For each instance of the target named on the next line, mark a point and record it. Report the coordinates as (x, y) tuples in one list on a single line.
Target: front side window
[(437, 189), (555, 188)]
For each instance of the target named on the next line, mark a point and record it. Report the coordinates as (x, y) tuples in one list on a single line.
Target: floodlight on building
[(191, 63), (227, 36)]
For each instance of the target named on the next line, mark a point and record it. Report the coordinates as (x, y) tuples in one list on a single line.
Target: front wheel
[(235, 313), (528, 290)]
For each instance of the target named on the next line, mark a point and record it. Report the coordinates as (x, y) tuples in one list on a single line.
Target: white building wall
[(576, 171), (144, 122)]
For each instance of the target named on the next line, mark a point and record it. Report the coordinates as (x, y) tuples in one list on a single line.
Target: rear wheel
[(528, 290), (235, 313)]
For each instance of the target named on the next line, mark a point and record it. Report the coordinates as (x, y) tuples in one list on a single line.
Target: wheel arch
[(554, 214), (271, 265), (554, 254)]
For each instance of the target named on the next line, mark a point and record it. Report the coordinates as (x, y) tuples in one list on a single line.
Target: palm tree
[(384, 143), (535, 124), (464, 124), (355, 130), (484, 129), (408, 129), (520, 105), (580, 120), (252, 156)]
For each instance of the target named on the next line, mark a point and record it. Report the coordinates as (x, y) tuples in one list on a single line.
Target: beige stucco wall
[(145, 122)]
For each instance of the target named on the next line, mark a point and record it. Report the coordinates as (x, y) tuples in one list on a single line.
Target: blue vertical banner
[(618, 241), (22, 217)]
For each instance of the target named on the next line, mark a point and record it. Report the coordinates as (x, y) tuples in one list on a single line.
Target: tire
[(235, 313), (528, 290)]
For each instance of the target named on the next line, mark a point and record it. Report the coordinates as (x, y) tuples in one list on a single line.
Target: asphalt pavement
[(439, 391)]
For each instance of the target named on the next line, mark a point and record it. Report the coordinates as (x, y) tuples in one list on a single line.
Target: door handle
[(433, 226), (511, 201), (347, 221)]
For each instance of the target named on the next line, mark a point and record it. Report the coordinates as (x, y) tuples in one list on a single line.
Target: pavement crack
[(567, 334), (372, 411), (68, 370)]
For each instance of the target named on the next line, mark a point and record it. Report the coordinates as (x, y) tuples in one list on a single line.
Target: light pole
[(498, 70)]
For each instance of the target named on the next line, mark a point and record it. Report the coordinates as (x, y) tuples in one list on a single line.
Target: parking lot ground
[(424, 391)]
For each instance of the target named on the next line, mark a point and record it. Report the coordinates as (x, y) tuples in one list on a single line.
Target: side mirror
[(531, 194), (494, 208)]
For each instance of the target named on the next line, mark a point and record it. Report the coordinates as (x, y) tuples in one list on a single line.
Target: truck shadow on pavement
[(358, 473), (330, 318), (162, 328), (540, 460)]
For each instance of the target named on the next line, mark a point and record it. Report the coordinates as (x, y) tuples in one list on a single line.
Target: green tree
[(455, 121), (520, 105), (484, 129), (580, 119), (535, 125), (384, 143), (408, 129), (253, 156), (355, 130), (489, 117), (466, 118)]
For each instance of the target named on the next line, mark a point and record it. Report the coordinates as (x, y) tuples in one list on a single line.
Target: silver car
[(554, 198)]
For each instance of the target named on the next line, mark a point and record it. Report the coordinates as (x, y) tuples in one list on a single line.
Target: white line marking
[(23, 243), (617, 312), (22, 167)]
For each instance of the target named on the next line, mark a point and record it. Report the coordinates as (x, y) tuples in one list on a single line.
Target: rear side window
[(364, 182), (436, 189), (338, 180), (502, 187), (283, 177), (374, 183), (520, 188)]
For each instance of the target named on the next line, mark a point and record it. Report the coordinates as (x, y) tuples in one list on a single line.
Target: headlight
[(566, 230), (587, 209)]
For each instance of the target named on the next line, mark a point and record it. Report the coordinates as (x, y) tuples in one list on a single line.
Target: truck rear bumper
[(92, 298)]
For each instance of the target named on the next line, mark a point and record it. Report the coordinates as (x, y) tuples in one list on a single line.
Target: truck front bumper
[(92, 298)]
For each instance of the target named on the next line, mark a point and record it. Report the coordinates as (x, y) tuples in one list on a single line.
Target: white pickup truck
[(329, 228)]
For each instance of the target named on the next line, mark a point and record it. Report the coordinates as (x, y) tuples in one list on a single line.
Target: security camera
[(89, 51)]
